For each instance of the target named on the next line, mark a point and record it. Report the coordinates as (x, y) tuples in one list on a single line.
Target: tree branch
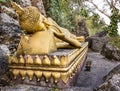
[(109, 3), (98, 8), (112, 4)]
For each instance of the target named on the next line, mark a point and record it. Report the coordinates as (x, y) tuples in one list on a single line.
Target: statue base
[(58, 69)]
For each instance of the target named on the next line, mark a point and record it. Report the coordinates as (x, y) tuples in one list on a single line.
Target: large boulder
[(4, 70), (9, 31), (101, 34), (3, 59), (110, 52), (9, 11), (96, 43), (112, 81)]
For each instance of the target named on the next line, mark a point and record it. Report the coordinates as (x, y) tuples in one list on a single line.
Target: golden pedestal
[(59, 68)]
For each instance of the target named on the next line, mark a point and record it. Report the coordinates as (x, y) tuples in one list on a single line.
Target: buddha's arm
[(58, 33), (69, 40)]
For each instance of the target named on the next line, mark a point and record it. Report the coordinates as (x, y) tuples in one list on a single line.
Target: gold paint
[(15, 60), (22, 73), (63, 60), (38, 74), (64, 77), (9, 58), (30, 73), (15, 73), (74, 69), (52, 68), (37, 60), (56, 76), (47, 75), (17, 7), (55, 61), (76, 52), (29, 60), (46, 60), (70, 73), (81, 39), (41, 42), (21, 60)]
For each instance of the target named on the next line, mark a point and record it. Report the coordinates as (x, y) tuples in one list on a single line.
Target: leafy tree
[(112, 28), (61, 12), (114, 17), (67, 13), (95, 24)]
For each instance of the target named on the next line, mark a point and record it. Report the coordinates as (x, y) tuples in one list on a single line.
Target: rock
[(5, 49), (110, 52), (89, 40), (112, 85), (112, 81), (9, 31), (9, 11), (47, 6), (7, 3), (114, 71), (101, 34), (23, 3), (82, 29), (23, 87), (5, 80), (96, 43), (3, 60), (39, 5)]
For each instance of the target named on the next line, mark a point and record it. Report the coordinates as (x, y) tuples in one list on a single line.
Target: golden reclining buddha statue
[(38, 62), (42, 35)]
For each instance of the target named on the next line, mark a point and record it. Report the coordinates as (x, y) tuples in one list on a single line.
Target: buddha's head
[(28, 17)]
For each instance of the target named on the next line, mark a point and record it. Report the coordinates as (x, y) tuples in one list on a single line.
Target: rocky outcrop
[(96, 43), (39, 5), (100, 43), (9, 11), (101, 34), (110, 52), (23, 3), (112, 81), (9, 31), (4, 76), (114, 71), (3, 59)]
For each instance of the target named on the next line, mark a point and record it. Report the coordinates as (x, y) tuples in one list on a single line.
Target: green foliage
[(115, 41), (60, 11), (84, 12), (2, 0), (112, 28), (55, 89), (94, 24), (65, 15)]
